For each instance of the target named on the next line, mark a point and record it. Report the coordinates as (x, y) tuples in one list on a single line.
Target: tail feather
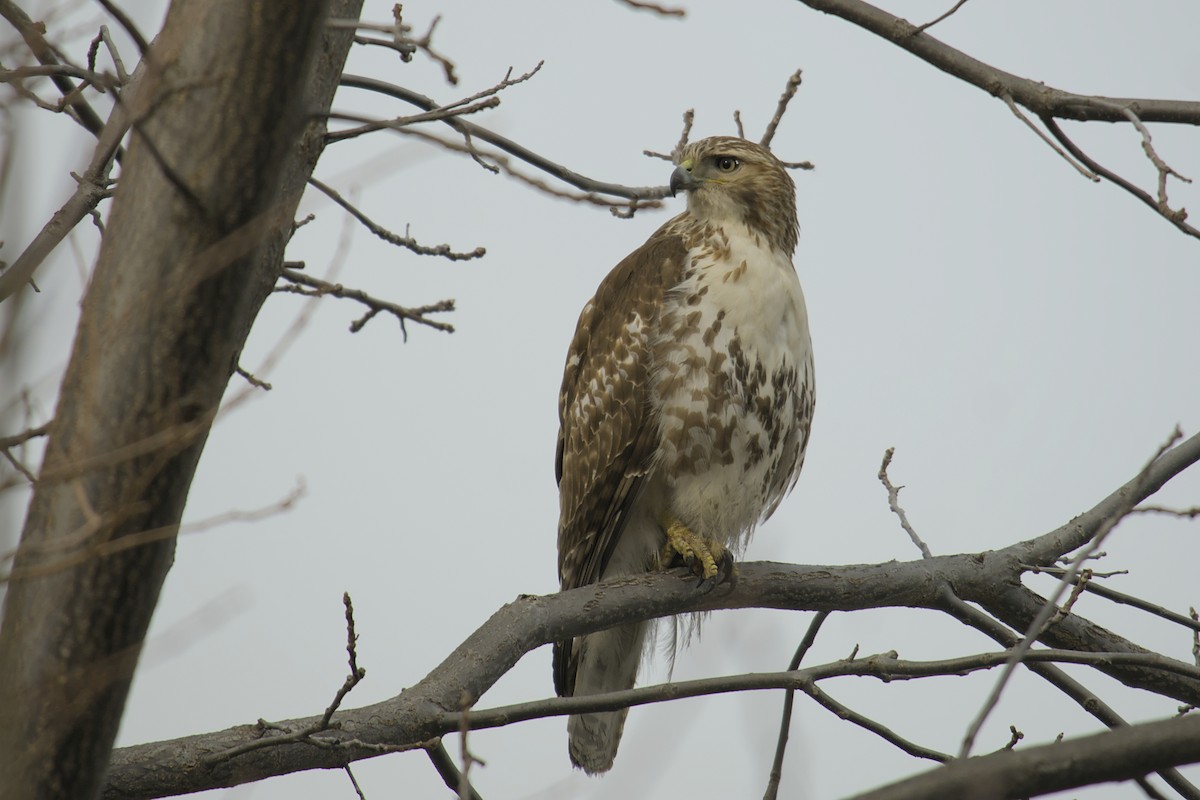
[(604, 662)]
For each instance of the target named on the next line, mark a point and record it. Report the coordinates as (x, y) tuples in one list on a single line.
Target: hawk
[(685, 407)]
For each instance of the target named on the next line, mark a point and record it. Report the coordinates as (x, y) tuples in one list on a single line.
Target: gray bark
[(222, 141)]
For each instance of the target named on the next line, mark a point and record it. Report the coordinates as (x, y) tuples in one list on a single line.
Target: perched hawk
[(685, 407)]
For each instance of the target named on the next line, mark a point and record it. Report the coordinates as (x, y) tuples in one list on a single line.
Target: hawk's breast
[(732, 384)]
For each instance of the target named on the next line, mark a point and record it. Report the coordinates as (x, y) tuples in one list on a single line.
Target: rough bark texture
[(222, 142)]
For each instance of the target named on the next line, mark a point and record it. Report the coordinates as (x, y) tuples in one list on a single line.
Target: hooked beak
[(682, 178)]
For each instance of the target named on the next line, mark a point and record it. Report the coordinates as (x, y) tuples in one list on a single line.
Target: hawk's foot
[(709, 560)]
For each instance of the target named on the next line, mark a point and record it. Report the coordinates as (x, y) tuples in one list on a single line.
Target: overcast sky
[(1023, 337)]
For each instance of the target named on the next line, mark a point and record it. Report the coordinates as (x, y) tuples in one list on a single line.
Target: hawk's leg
[(709, 560)]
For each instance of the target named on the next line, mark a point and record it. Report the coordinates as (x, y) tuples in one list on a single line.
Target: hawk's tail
[(600, 662)]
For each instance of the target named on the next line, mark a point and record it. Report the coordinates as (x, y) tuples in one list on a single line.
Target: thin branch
[(32, 33), (936, 20), (445, 766), (121, 17), (1039, 98), (315, 287), (689, 117), (661, 10), (479, 101), (1182, 513), (1091, 164), (306, 735), (785, 722), (1084, 171), (877, 728), (1038, 626), (536, 160), (894, 504), (252, 380), (737, 121), (24, 436), (1060, 680), (789, 91), (442, 250), (624, 209)]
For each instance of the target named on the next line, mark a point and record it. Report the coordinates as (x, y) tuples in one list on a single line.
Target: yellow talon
[(691, 548)]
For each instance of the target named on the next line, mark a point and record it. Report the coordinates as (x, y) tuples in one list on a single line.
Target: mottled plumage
[(685, 407)]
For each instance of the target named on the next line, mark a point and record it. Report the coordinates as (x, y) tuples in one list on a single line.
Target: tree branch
[(1043, 100)]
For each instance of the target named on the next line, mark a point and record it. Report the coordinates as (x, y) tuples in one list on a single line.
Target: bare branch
[(661, 10), (624, 209), (1039, 98), (558, 171), (789, 91), (120, 16), (1039, 624), (936, 20), (315, 287), (1084, 171), (785, 723), (689, 117), (442, 250), (894, 504), (307, 734)]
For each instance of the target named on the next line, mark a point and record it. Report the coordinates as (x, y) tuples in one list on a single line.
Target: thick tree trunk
[(223, 141)]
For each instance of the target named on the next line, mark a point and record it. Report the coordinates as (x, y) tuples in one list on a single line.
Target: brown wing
[(606, 437)]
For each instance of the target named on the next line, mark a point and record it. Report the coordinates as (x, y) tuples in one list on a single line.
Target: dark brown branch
[(442, 250), (661, 10), (785, 722), (32, 33), (319, 288), (121, 17), (418, 715), (1122, 754), (558, 171), (1108, 174), (1039, 98)]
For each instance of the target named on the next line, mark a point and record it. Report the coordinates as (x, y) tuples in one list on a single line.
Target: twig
[(1195, 635), (1184, 513), (1164, 170), (1060, 680), (479, 101), (24, 436), (353, 782), (445, 766), (1037, 627), (785, 722), (319, 288), (932, 22), (737, 121), (465, 755), (253, 381), (306, 735), (624, 209), (664, 11), (894, 504), (1091, 164), (1082, 170), (689, 117), (1081, 583), (536, 160), (878, 728), (442, 250), (789, 91), (120, 16)]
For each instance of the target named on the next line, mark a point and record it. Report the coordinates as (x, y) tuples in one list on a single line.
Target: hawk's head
[(732, 179)]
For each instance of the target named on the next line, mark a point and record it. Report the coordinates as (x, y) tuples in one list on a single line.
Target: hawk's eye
[(727, 163)]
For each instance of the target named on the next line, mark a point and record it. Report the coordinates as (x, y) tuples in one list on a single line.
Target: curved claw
[(708, 560)]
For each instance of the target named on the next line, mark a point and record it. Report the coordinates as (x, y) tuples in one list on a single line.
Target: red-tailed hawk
[(685, 407)]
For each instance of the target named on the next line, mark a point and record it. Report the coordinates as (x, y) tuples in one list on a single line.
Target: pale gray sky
[(1024, 338)]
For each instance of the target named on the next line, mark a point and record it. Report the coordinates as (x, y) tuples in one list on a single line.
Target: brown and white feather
[(687, 396)]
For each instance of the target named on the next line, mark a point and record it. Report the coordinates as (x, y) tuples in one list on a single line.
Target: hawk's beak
[(682, 178)]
